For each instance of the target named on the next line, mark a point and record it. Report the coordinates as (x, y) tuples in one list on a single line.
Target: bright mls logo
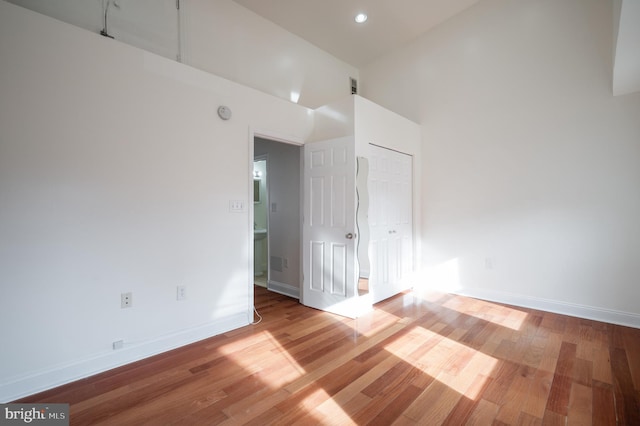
[(36, 414)]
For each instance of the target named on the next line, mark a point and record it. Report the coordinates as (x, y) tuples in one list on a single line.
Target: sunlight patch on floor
[(453, 364), (470, 379), (329, 408), (444, 278), (505, 316), (247, 354), (372, 324)]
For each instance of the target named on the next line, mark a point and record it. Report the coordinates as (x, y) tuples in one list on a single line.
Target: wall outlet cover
[(181, 293), (126, 300)]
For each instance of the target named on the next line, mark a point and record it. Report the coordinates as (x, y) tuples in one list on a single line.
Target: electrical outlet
[(285, 262), (181, 293), (118, 344), (126, 300)]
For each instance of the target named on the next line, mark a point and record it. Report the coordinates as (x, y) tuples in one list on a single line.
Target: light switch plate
[(236, 206)]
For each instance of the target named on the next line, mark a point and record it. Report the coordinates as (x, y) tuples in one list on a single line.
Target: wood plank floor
[(427, 360)]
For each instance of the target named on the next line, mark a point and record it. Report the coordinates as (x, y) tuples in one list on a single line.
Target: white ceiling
[(329, 24)]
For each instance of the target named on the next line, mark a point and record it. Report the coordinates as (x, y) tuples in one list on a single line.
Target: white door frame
[(277, 137)]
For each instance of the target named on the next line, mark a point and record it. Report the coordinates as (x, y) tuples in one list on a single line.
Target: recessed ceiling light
[(360, 18)]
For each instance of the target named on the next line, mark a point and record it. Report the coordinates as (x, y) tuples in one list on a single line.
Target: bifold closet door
[(390, 221)]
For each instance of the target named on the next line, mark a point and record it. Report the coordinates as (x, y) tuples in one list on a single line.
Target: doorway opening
[(277, 216)]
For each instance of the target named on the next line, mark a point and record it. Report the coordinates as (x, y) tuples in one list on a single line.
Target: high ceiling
[(330, 25)]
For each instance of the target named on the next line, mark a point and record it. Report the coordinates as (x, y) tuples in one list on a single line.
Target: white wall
[(116, 175), (229, 40), (530, 165), (221, 37), (149, 24), (335, 120)]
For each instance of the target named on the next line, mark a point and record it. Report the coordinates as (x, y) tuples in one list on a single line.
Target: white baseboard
[(282, 288), (36, 382), (565, 308)]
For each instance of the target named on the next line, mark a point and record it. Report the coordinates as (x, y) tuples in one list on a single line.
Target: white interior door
[(329, 227), (390, 222)]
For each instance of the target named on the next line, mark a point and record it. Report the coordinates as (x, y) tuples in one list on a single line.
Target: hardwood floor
[(437, 359)]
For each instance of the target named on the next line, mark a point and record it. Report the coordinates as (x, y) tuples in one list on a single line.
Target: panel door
[(329, 226), (390, 221)]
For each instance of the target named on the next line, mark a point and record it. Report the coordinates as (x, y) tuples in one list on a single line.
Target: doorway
[(260, 222), (277, 202)]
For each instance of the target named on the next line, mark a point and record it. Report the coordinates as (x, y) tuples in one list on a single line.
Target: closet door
[(390, 221)]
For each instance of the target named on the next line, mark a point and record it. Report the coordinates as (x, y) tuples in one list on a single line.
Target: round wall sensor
[(224, 112)]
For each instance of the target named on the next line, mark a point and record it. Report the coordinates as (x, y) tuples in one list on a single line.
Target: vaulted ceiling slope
[(330, 25)]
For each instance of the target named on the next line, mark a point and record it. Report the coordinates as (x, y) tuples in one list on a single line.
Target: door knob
[(349, 236)]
